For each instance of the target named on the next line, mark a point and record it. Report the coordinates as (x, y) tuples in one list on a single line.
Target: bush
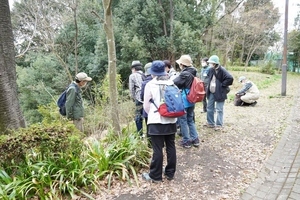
[(46, 139), (268, 68)]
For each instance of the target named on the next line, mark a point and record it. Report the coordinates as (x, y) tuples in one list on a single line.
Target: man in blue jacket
[(217, 89)]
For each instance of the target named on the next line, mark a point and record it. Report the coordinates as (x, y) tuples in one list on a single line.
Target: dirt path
[(226, 162)]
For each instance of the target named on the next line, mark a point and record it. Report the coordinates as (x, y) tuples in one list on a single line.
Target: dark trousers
[(156, 166), (139, 116), (204, 102), (147, 131)]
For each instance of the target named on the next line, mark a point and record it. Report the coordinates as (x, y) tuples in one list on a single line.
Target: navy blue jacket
[(223, 80)]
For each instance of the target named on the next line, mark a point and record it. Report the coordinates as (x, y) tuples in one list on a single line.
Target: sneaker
[(253, 104), (218, 128), (146, 177), (207, 125), (196, 142), (185, 144)]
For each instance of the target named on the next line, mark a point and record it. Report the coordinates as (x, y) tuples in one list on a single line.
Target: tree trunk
[(10, 112), (112, 68)]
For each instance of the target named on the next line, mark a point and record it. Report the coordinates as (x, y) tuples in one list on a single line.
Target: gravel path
[(227, 161)]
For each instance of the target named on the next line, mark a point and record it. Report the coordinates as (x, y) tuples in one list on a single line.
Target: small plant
[(119, 156), (268, 68)]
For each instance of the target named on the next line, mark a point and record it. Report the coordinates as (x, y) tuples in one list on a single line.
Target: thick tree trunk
[(10, 113), (112, 67)]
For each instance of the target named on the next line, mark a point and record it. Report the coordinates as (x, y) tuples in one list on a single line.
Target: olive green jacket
[(74, 103)]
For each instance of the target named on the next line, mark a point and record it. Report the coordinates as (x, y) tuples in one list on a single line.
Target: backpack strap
[(160, 93)]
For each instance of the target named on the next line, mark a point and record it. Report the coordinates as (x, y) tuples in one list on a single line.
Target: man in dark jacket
[(217, 89), (184, 81)]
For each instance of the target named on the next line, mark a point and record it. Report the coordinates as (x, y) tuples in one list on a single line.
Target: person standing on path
[(161, 129), (187, 123), (74, 102), (204, 78), (145, 115), (219, 80), (135, 87)]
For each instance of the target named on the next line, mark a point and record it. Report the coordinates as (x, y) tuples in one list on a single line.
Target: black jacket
[(223, 80), (185, 78)]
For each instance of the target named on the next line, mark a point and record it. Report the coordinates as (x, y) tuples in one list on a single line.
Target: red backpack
[(197, 91)]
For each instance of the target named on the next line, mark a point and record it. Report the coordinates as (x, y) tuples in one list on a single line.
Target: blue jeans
[(187, 125), (213, 105), (139, 116)]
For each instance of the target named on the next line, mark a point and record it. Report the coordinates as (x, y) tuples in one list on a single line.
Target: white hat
[(83, 77), (186, 60), (242, 78)]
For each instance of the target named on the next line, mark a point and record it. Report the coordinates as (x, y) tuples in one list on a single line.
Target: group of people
[(160, 130)]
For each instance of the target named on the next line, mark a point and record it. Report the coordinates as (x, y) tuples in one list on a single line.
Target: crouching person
[(249, 94)]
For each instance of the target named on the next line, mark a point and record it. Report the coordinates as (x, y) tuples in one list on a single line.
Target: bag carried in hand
[(62, 101), (197, 91), (171, 102)]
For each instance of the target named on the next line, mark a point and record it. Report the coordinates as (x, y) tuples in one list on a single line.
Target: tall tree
[(112, 59), (10, 113)]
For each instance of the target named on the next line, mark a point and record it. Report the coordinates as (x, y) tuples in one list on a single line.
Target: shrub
[(268, 68), (47, 139)]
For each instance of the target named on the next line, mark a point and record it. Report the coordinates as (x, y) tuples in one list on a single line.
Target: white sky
[(293, 9)]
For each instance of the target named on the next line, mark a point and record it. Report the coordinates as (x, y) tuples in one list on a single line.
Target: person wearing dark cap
[(187, 123), (204, 78), (161, 129), (74, 103), (172, 73), (135, 87)]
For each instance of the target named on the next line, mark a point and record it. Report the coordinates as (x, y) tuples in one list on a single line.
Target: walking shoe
[(218, 128), (207, 125), (196, 142), (253, 104), (185, 144), (146, 177)]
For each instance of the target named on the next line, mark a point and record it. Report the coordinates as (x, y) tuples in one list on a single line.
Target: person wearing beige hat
[(74, 103), (187, 123)]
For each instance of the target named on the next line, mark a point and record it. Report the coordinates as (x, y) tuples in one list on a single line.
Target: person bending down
[(250, 90)]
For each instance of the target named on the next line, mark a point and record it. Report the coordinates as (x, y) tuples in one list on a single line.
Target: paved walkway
[(279, 179)]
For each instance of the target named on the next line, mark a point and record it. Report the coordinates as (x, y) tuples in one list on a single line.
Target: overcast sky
[(293, 9)]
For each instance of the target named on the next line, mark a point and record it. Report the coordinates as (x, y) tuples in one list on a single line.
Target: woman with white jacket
[(161, 129)]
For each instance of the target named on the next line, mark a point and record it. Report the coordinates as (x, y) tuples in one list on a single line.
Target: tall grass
[(65, 175)]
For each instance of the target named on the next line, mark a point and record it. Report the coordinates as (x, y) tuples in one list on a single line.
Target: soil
[(227, 161)]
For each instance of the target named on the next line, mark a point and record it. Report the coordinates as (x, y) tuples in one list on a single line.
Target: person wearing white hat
[(74, 103), (184, 81), (249, 93)]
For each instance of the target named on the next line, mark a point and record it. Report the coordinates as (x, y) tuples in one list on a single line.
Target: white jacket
[(152, 92)]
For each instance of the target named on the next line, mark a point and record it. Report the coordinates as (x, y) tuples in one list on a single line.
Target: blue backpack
[(171, 102), (62, 100)]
